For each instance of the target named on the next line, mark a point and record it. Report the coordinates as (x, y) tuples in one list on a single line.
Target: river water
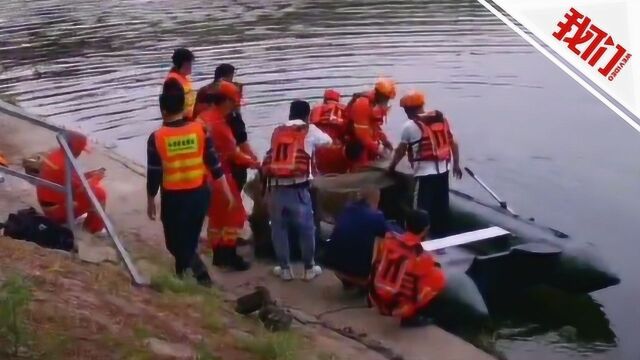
[(538, 138)]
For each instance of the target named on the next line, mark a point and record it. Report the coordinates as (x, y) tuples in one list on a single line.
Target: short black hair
[(417, 221), (299, 109), (181, 56), (223, 70), (171, 103)]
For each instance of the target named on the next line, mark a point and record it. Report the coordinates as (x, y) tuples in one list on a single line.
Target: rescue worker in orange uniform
[(179, 156), (367, 113), (433, 151), (53, 202), (235, 121), (179, 79), (406, 278), (330, 117), (225, 220)]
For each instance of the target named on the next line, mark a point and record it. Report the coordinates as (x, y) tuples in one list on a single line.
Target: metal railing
[(72, 166)]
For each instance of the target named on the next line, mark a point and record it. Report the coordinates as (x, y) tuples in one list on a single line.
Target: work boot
[(220, 256), (235, 261)]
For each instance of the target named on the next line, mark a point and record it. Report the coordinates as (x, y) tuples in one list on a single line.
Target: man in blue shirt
[(351, 246)]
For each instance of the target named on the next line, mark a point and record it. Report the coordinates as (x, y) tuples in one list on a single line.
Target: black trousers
[(182, 214), (432, 195), (239, 175)]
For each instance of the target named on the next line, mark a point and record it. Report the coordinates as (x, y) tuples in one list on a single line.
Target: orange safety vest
[(181, 150), (287, 157), (405, 278), (435, 142), (189, 93)]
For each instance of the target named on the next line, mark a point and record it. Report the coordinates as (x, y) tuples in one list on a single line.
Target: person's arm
[(154, 175), (361, 115), (455, 154), (212, 163), (318, 137)]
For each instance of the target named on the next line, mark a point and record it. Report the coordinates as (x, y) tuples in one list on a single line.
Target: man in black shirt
[(178, 156)]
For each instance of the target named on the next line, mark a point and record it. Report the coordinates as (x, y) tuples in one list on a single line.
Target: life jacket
[(330, 118), (404, 277), (435, 142), (181, 150), (287, 157), (189, 92)]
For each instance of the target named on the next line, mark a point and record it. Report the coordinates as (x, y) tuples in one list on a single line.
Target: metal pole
[(124, 255), (32, 179), (503, 204), (68, 190)]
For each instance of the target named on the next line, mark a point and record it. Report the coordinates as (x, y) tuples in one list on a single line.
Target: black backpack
[(28, 225)]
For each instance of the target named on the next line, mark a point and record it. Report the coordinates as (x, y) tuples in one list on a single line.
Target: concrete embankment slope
[(315, 301)]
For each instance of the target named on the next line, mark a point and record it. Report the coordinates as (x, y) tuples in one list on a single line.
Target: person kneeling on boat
[(349, 252), (405, 278), (330, 117), (431, 148), (53, 203), (287, 168)]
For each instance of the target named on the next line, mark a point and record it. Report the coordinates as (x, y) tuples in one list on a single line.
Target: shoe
[(236, 262), (312, 273), (219, 257), (205, 282), (284, 274)]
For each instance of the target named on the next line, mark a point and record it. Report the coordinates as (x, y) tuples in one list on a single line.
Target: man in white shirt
[(287, 167), (432, 150)]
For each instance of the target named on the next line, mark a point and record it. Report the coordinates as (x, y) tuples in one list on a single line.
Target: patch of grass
[(141, 332), (274, 346), (211, 314), (168, 283), (203, 352), (15, 297), (328, 356), (127, 348)]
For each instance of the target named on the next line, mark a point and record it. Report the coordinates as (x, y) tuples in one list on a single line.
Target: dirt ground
[(330, 321)]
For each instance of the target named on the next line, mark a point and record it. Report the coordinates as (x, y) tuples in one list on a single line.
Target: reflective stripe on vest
[(189, 93), (181, 150)]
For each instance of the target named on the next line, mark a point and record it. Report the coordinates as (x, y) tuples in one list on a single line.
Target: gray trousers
[(290, 208)]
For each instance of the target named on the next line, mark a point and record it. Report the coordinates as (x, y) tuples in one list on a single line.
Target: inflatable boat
[(489, 251)]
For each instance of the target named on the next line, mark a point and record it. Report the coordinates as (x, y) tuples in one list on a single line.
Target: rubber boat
[(489, 252)]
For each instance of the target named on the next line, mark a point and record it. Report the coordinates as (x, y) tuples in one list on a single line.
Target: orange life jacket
[(189, 92), (181, 150), (331, 119), (405, 278), (435, 142), (287, 157), (3, 161)]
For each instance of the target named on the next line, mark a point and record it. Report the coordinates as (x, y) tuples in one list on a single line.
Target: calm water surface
[(539, 139)]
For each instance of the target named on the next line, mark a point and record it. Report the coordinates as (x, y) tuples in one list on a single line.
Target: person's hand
[(457, 171), (387, 145), (151, 208)]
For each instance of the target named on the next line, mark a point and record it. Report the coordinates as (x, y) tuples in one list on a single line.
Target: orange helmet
[(77, 141), (386, 87), (331, 94), (413, 99), (229, 90)]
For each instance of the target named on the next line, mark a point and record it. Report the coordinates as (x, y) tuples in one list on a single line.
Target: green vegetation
[(274, 346), (203, 353), (15, 297)]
